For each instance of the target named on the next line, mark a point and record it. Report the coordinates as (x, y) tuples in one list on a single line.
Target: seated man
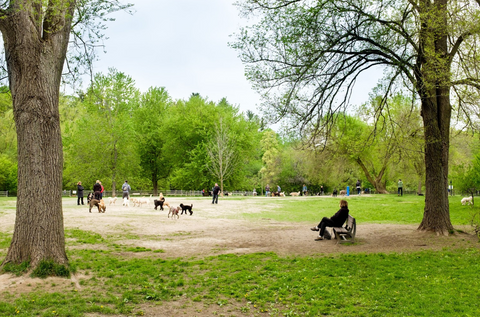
[(336, 220)]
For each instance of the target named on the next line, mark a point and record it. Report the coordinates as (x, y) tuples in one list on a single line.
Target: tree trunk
[(377, 181), (436, 117), (34, 62), (434, 90)]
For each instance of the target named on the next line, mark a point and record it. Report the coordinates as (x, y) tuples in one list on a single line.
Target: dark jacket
[(80, 191), (216, 189), (340, 217), (97, 187)]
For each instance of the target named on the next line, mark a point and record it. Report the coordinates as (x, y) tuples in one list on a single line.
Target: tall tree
[(221, 151), (149, 118), (36, 36), (308, 55)]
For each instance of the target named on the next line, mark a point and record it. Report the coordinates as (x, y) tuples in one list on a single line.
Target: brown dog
[(99, 203), (101, 206), (174, 211)]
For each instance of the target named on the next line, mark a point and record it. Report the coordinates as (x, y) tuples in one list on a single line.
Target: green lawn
[(120, 279)]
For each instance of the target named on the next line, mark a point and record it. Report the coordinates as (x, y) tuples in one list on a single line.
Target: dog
[(282, 194), (186, 208), (89, 197), (99, 203), (174, 211), (126, 202), (102, 207), (467, 201), (275, 194), (295, 194), (334, 193), (343, 192), (159, 203), (112, 200)]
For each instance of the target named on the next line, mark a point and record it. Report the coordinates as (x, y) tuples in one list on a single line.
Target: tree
[(36, 37), (149, 118), (221, 151), (271, 157), (308, 55)]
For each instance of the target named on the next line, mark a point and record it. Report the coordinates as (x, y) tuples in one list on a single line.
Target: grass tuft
[(50, 268)]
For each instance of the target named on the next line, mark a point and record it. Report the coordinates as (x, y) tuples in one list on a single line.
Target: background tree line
[(112, 132)]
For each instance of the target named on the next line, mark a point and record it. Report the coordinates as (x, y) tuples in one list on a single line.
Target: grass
[(114, 280)]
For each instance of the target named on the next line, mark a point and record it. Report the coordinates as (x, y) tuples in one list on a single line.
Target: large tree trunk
[(434, 90), (35, 59)]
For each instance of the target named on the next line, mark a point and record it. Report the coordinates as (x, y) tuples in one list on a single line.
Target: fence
[(3, 193)]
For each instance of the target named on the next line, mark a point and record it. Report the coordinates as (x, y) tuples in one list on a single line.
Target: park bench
[(347, 233)]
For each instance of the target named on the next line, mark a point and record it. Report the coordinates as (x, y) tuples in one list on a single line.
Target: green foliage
[(50, 268), (17, 269)]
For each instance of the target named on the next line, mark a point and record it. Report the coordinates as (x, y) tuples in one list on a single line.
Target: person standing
[(359, 187), (400, 187), (278, 189), (304, 190), (267, 191), (101, 192), (216, 190), (79, 193), (97, 190), (126, 190)]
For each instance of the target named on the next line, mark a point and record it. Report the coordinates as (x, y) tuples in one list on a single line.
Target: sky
[(182, 45)]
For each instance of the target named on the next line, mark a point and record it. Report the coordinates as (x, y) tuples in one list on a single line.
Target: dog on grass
[(343, 192), (112, 200), (174, 212), (126, 202), (99, 203), (187, 208), (295, 194), (467, 201)]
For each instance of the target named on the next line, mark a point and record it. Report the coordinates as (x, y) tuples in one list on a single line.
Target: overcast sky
[(182, 45)]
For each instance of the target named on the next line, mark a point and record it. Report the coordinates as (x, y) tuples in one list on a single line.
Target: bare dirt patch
[(218, 229)]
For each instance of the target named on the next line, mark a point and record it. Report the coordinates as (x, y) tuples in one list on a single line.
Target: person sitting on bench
[(336, 220)]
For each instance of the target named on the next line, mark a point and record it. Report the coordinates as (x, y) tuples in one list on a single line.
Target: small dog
[(112, 200), (159, 202), (275, 194), (174, 211), (89, 197), (343, 192), (126, 202), (295, 194), (186, 208), (334, 193), (99, 203), (282, 194), (467, 201)]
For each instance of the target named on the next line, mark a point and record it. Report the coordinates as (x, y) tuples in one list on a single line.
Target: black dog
[(334, 194), (186, 208), (89, 197), (159, 203)]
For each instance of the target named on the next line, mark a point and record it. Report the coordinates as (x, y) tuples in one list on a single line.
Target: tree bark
[(35, 59), (434, 90)]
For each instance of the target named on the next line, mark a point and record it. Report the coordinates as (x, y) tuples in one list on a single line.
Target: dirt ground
[(217, 229)]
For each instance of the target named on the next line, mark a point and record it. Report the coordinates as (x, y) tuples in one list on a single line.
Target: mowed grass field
[(120, 280)]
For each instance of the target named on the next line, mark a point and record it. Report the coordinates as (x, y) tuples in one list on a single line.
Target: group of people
[(267, 190), (98, 190)]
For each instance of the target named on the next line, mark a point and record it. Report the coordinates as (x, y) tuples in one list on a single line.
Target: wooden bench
[(347, 233)]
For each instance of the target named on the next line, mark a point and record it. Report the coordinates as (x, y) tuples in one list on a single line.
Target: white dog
[(112, 200), (125, 202), (467, 200), (295, 194)]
